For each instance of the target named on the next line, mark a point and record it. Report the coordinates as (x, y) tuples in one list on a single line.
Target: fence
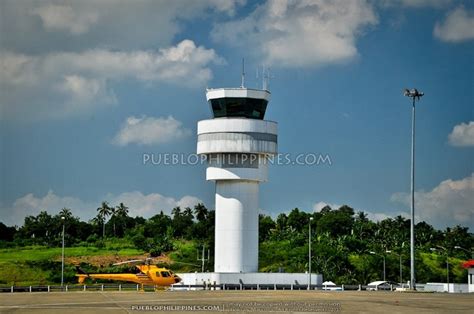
[(181, 287)]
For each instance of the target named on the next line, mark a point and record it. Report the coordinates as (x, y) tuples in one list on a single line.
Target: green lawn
[(37, 253), (35, 265)]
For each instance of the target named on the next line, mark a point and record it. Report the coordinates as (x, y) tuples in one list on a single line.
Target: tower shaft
[(236, 232)]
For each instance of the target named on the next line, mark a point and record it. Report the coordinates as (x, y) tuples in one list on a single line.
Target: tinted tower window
[(239, 107)]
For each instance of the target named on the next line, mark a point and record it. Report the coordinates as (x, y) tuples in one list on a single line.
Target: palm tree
[(201, 212), (188, 213), (121, 211), (66, 213), (104, 211), (113, 214)]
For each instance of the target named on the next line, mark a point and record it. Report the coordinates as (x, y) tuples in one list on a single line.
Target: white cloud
[(145, 205), (300, 33), (150, 130), (188, 201), (462, 135), (382, 216), (320, 205), (64, 17), (448, 204), (227, 6), (66, 83), (52, 25), (29, 204), (420, 3), (374, 216), (457, 27)]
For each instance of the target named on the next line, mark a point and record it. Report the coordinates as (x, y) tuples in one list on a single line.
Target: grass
[(34, 265), (37, 253)]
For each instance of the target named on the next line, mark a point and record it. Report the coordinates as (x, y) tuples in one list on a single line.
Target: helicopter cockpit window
[(165, 274)]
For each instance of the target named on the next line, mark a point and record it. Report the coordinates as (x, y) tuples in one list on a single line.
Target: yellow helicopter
[(147, 275)]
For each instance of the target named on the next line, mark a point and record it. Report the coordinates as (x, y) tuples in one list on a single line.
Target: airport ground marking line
[(115, 302)]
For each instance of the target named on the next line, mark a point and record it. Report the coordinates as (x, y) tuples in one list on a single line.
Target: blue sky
[(87, 88)]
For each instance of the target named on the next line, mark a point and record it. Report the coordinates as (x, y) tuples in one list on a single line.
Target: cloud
[(376, 216), (188, 201), (64, 17), (53, 25), (462, 135), (227, 6), (67, 83), (320, 205), (300, 33), (150, 130), (458, 26), (29, 204), (418, 3), (145, 205), (448, 204)]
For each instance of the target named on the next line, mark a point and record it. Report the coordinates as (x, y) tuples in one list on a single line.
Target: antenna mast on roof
[(266, 77), (243, 73)]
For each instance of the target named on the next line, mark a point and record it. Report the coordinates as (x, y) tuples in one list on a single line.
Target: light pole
[(414, 94), (447, 263), (401, 271), (309, 254), (383, 256), (62, 258), (461, 248)]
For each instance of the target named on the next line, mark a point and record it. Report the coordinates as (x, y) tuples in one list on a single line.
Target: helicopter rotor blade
[(129, 262)]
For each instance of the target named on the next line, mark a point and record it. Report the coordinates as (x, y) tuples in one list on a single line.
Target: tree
[(66, 213), (7, 233), (103, 212), (200, 212), (157, 225), (121, 212), (298, 220), (337, 222), (182, 222), (112, 218), (265, 225), (201, 229)]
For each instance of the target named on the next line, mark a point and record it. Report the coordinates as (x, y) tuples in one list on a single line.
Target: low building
[(470, 274)]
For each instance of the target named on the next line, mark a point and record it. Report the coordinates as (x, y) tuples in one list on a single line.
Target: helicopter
[(147, 274)]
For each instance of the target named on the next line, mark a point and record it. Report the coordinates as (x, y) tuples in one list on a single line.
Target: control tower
[(237, 142)]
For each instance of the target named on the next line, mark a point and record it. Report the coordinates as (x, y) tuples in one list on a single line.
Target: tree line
[(347, 246)]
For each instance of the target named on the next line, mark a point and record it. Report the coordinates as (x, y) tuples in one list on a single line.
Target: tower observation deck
[(237, 143)]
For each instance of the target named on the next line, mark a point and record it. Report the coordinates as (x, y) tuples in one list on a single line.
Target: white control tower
[(237, 143)]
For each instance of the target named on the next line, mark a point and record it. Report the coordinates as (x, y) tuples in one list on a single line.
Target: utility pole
[(62, 255), (203, 259)]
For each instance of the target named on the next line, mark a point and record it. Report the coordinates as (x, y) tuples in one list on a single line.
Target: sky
[(88, 88)]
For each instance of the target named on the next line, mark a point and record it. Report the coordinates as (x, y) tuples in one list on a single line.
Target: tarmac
[(236, 301)]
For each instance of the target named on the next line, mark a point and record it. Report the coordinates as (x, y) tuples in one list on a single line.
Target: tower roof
[(214, 93)]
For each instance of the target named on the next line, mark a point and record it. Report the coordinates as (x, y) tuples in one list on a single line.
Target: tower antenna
[(266, 76), (243, 73)]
